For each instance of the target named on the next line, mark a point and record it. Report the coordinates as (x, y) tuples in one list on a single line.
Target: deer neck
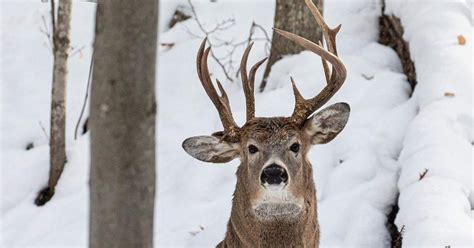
[(245, 230)]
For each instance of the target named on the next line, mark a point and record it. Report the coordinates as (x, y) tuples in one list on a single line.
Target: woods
[(99, 99), (122, 125)]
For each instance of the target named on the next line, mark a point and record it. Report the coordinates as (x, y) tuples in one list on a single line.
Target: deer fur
[(245, 230)]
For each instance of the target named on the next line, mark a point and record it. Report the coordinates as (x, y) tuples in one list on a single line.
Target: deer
[(274, 202)]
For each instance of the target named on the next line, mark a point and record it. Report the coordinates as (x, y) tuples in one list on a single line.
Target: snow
[(437, 210), (390, 138)]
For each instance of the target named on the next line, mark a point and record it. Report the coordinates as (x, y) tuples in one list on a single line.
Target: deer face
[(273, 154)]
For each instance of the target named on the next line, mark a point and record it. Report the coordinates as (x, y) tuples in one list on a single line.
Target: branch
[(423, 174), (73, 51), (45, 30), (44, 131), (267, 37), (226, 62), (207, 33), (84, 103)]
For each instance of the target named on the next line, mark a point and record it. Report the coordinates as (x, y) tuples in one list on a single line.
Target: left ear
[(327, 123), (211, 149)]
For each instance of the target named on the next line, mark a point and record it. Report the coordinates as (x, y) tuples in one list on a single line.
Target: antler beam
[(231, 130), (305, 107)]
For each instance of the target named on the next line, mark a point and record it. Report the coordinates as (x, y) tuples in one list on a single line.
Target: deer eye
[(253, 149), (295, 147)]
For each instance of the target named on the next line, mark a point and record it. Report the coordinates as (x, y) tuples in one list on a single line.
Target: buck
[(274, 202)]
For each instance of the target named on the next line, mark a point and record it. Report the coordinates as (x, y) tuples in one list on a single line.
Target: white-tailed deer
[(274, 201)]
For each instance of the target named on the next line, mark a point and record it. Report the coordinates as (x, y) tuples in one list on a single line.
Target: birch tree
[(57, 142), (122, 124)]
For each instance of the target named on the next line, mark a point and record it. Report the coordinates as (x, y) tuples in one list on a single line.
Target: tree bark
[(391, 34), (122, 120), (295, 17), (57, 142)]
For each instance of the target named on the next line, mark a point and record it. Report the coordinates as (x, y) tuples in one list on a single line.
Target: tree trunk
[(57, 142), (295, 17), (122, 121)]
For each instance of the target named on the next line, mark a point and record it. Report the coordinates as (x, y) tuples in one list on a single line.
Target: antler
[(248, 83), (231, 130), (305, 107)]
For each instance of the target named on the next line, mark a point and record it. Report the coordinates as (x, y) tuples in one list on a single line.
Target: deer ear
[(211, 149), (327, 123)]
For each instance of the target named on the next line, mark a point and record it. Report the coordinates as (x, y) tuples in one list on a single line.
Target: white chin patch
[(277, 211), (277, 202)]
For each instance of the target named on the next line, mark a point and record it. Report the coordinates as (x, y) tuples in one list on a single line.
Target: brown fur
[(244, 229), (278, 215)]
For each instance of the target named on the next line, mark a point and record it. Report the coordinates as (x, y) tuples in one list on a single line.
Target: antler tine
[(221, 103), (253, 71), (304, 108), (248, 89), (329, 34), (327, 73), (249, 82)]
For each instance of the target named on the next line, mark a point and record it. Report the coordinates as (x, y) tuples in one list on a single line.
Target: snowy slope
[(357, 175)]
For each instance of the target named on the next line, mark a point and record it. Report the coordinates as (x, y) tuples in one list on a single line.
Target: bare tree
[(57, 144), (294, 17), (122, 121)]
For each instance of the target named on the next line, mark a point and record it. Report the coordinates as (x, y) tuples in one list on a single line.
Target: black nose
[(274, 174)]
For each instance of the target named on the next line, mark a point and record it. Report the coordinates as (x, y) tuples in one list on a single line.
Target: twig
[(226, 62), (201, 27), (423, 174), (267, 37), (89, 79), (223, 25), (73, 51), (47, 33), (44, 131), (397, 243), (367, 77), (194, 233), (250, 39)]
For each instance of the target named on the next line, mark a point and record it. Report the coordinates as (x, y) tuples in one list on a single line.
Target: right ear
[(211, 149)]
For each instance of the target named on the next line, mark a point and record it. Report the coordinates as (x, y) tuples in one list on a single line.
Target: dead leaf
[(167, 45), (461, 40), (449, 94)]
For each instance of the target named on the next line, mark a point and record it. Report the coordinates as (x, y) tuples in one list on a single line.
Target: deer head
[(274, 179)]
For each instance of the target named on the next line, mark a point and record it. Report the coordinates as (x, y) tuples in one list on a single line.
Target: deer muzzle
[(274, 174)]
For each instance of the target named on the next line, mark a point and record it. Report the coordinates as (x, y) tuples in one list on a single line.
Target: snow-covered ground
[(438, 210), (390, 138)]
